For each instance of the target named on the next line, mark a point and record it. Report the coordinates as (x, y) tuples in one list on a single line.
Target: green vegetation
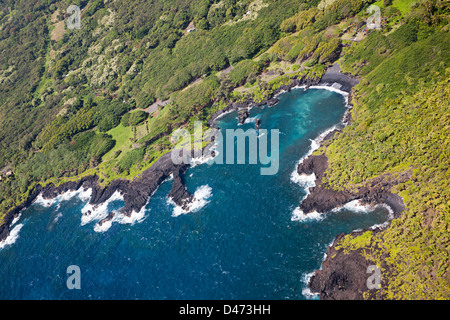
[(122, 58), (400, 123), (77, 106), (133, 118), (348, 243)]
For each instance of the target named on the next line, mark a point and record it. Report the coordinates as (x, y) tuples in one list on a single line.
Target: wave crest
[(12, 237), (200, 199)]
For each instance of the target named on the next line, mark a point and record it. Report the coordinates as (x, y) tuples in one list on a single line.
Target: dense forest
[(103, 99), (61, 85)]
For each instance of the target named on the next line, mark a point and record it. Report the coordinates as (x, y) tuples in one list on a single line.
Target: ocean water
[(244, 240)]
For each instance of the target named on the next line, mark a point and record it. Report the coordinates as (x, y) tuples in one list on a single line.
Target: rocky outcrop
[(136, 192), (48, 192), (257, 124), (109, 217), (178, 193), (323, 198), (343, 275), (242, 116)]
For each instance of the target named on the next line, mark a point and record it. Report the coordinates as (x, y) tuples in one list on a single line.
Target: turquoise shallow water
[(241, 244)]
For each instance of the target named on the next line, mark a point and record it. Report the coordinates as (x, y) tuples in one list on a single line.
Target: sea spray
[(299, 215), (223, 243), (360, 207), (92, 212), (82, 193), (308, 181), (12, 237), (200, 199), (306, 291)]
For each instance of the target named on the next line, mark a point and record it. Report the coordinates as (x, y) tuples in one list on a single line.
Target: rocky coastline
[(323, 198), (137, 192), (335, 280), (243, 106), (343, 275)]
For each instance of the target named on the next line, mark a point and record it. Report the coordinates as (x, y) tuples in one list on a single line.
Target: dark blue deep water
[(242, 244)]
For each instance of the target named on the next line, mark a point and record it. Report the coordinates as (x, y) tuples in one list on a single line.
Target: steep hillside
[(103, 99)]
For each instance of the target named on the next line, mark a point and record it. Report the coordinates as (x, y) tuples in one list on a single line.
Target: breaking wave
[(200, 199)]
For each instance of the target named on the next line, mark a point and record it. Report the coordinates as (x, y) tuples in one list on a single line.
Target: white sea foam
[(200, 199), (177, 210), (12, 237), (92, 212), (358, 206), (83, 194), (104, 227), (206, 156), (261, 134), (193, 162), (224, 113), (330, 88), (300, 87), (44, 202), (355, 206), (337, 90), (250, 120), (279, 93), (284, 91), (306, 291), (97, 212), (325, 254), (307, 277), (67, 195), (390, 217), (315, 144), (304, 180), (388, 208), (299, 215), (16, 219), (135, 217), (308, 181)]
